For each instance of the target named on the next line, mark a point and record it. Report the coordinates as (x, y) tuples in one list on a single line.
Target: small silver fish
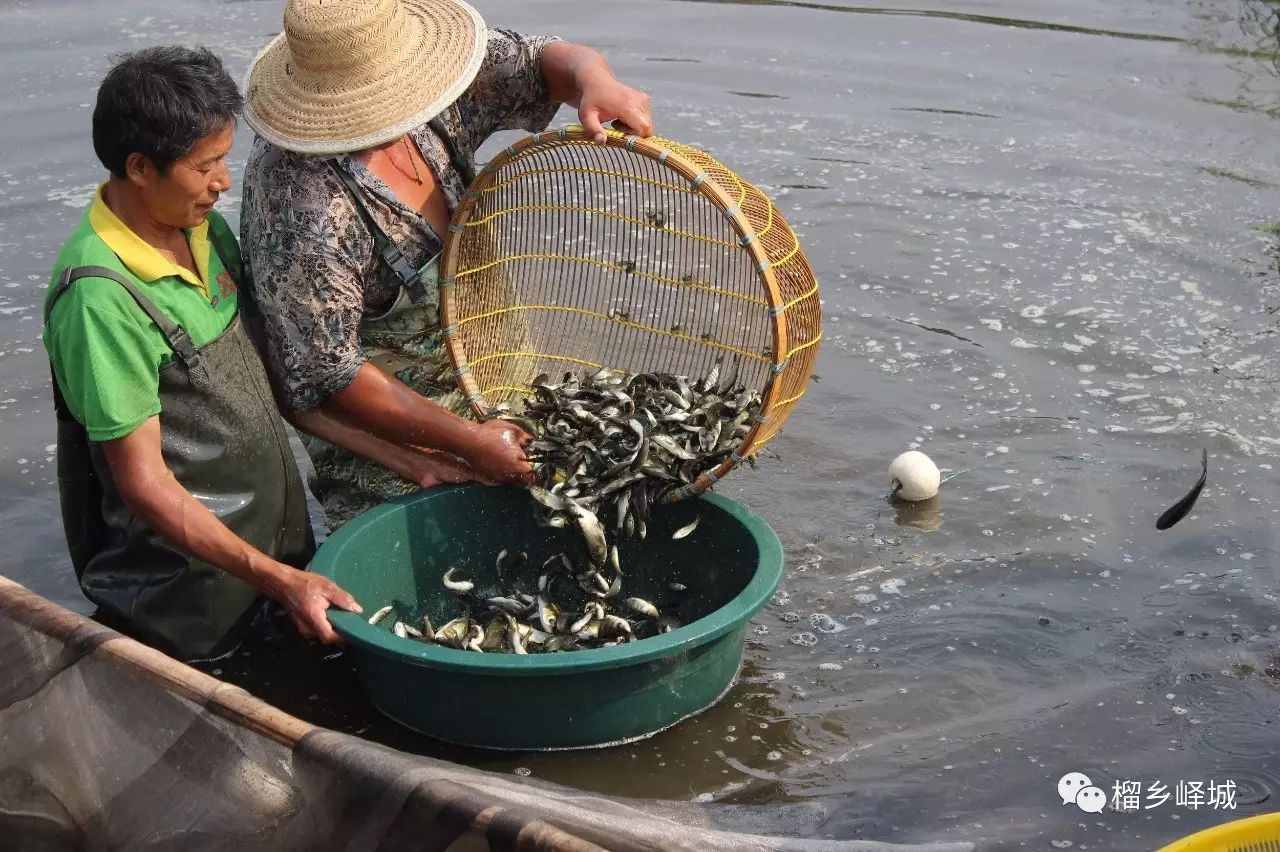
[(454, 633), (641, 607), (550, 499), (668, 444), (548, 614), (459, 586), (508, 605), (380, 614), (591, 612), (684, 531), (592, 534), (515, 637), (615, 625)]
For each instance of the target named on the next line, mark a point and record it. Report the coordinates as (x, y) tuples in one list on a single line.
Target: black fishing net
[(107, 745)]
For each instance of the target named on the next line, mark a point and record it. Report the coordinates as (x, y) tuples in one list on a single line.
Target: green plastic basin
[(397, 553)]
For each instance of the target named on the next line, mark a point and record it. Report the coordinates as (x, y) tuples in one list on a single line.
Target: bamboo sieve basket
[(637, 255)]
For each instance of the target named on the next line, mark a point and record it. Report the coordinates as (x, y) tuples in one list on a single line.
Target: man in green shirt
[(181, 501)]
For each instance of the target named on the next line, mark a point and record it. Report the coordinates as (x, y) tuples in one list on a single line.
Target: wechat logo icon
[(1076, 788)]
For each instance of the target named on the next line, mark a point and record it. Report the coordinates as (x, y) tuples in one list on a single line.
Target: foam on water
[(1036, 266)]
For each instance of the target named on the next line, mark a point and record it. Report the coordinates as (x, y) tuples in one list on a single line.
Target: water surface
[(1042, 233)]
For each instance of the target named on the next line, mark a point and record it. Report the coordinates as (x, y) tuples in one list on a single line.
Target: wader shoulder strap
[(387, 250), (60, 408), (224, 243), (465, 166), (175, 335)]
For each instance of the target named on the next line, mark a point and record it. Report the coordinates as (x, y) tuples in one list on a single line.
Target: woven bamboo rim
[(787, 288)]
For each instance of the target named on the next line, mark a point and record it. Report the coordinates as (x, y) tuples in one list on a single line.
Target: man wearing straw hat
[(368, 115)]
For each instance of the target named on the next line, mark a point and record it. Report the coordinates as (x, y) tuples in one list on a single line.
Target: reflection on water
[(968, 17), (1253, 29), (1045, 236), (923, 515)]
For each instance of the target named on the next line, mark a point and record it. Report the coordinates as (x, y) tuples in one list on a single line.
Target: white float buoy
[(914, 476)]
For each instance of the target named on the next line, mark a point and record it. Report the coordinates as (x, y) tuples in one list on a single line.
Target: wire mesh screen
[(640, 255)]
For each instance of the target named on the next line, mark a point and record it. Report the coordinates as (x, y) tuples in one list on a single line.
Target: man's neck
[(125, 201)]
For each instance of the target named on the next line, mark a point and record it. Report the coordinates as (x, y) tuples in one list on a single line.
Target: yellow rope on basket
[(715, 344), (559, 171), (501, 388), (795, 247), (804, 346), (494, 355), (474, 223), (695, 284), (788, 400), (806, 294)]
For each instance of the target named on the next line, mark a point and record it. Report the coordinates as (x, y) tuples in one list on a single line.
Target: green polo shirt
[(106, 352)]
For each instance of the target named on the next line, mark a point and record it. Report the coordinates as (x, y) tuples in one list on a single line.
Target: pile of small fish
[(614, 444), (575, 607), (607, 442)]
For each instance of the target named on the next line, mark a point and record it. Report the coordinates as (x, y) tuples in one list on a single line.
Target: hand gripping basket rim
[(666, 152)]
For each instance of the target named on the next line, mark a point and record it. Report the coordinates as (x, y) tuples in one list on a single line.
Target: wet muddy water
[(1047, 238)]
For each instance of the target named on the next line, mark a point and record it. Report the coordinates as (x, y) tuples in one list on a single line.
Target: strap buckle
[(185, 348), (394, 258)]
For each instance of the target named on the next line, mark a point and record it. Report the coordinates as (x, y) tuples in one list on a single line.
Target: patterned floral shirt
[(314, 268)]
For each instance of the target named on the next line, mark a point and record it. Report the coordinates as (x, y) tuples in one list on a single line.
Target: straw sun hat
[(351, 74)]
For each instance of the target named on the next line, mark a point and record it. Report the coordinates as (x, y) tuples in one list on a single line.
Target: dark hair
[(159, 102)]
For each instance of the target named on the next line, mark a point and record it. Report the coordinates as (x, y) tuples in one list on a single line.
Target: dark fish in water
[(1182, 508)]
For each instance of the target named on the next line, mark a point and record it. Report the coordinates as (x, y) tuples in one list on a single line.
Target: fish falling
[(610, 445), (607, 446), (1182, 508)]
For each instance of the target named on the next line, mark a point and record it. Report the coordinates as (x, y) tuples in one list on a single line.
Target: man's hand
[(159, 501), (430, 468), (605, 99), (497, 453), (307, 597), (579, 76)]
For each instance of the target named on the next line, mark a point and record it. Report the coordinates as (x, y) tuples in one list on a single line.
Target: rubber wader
[(226, 444)]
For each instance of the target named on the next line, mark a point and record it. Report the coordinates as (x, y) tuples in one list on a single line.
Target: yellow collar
[(142, 258)]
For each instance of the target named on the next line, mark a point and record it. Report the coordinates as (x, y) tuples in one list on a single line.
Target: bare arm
[(423, 467), (416, 464), (388, 409), (579, 76), (157, 499)]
